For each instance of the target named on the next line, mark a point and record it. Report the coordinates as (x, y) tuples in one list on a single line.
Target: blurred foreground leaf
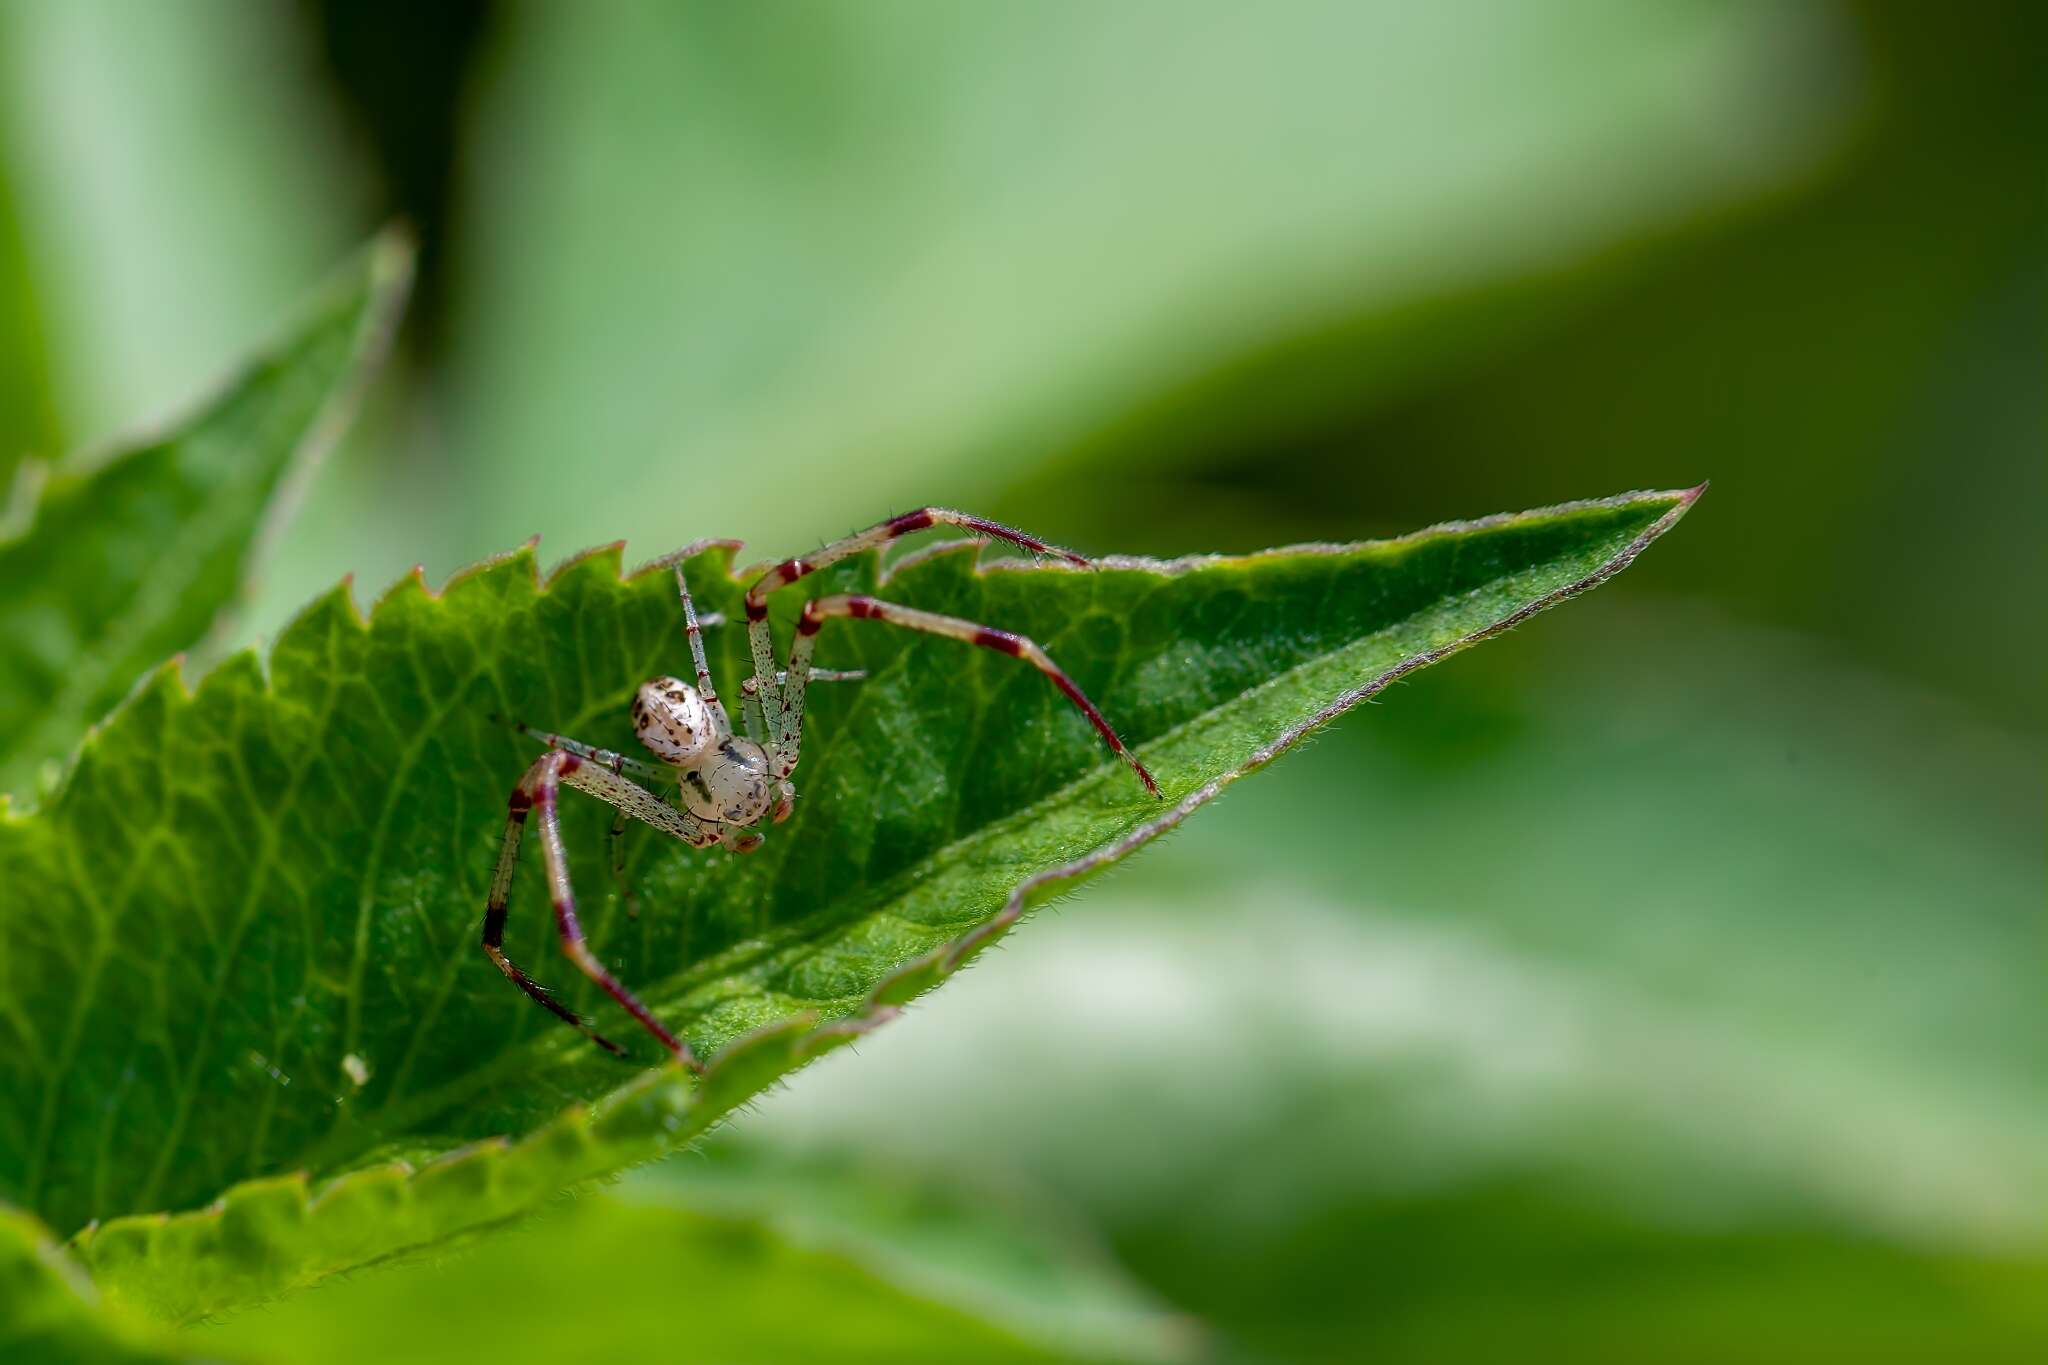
[(744, 1261), (113, 561), (47, 1314), (1005, 1254), (241, 939)]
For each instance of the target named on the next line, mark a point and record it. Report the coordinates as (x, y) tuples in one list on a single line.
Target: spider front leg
[(818, 610), (782, 706), (775, 694), (536, 794)]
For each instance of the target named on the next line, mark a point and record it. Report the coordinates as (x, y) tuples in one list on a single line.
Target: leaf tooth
[(664, 563), (413, 584), (525, 554), (591, 559)]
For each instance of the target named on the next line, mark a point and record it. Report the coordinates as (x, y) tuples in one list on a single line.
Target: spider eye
[(672, 720)]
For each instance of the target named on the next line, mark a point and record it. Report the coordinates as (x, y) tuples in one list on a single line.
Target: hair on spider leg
[(709, 784)]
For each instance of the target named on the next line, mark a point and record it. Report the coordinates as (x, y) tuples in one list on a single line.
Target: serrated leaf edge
[(259, 1225)]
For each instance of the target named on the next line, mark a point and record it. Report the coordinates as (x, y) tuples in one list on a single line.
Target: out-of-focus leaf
[(1007, 1256), (121, 558), (719, 1262), (281, 974), (1723, 1040), (890, 255), (602, 1278), (28, 423), (47, 1313), (178, 178)]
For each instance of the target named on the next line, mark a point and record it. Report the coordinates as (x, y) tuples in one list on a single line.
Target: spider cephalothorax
[(726, 784)]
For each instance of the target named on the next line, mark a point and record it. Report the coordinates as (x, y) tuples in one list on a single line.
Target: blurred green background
[(1662, 982)]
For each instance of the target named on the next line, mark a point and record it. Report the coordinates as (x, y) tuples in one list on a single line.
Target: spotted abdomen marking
[(731, 787), (673, 721)]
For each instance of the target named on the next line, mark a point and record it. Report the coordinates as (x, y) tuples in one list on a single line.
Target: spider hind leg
[(536, 796)]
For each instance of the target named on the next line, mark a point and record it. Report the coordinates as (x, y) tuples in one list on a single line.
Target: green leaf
[(241, 940), (47, 1312), (1011, 1257), (115, 560), (880, 1266)]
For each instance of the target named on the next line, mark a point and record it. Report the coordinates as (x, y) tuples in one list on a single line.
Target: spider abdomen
[(672, 721), (730, 786)]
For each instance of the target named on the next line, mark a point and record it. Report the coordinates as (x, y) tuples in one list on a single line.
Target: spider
[(726, 785)]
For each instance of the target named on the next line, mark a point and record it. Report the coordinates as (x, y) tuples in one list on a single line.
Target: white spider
[(727, 785)]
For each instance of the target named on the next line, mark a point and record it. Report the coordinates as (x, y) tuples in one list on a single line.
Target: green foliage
[(245, 898), (47, 1313), (1663, 985), (1010, 1255), (115, 561), (741, 1260)]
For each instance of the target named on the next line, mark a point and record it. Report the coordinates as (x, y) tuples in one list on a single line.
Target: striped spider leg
[(726, 785), (781, 697), (536, 795)]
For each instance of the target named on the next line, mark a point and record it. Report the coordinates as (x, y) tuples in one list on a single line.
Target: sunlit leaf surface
[(240, 942)]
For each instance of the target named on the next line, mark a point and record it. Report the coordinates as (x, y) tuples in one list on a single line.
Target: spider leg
[(762, 645), (790, 570), (818, 610), (536, 793), (694, 631), (617, 762), (751, 714), (620, 764), (750, 696), (565, 767), (494, 921)]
